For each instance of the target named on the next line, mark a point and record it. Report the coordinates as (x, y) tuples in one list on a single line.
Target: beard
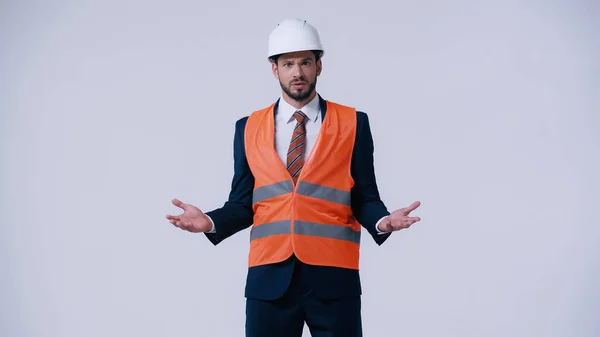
[(299, 95)]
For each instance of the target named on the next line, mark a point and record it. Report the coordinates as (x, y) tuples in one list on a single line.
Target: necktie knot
[(300, 116)]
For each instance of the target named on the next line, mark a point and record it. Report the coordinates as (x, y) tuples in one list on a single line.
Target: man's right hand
[(192, 219)]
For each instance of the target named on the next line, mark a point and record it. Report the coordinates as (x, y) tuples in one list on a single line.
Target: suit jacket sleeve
[(366, 202), (236, 214)]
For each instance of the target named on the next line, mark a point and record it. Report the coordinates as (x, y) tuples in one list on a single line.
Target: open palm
[(192, 219), (400, 219)]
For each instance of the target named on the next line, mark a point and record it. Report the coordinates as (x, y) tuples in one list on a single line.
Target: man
[(304, 180)]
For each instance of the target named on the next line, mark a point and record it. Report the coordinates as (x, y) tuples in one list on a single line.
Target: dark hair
[(318, 54)]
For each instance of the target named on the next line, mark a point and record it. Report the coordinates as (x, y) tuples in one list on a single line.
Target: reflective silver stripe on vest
[(273, 190), (327, 231), (305, 228), (324, 192), (270, 228)]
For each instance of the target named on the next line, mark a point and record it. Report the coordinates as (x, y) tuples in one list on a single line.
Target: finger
[(182, 225), (402, 224), (177, 223), (396, 226), (406, 210), (188, 225), (174, 221), (413, 206), (178, 203), (409, 221), (172, 217)]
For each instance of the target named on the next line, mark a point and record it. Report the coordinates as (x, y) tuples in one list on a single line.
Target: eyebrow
[(304, 59)]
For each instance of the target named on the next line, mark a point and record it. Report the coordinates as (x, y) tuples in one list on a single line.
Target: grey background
[(486, 112)]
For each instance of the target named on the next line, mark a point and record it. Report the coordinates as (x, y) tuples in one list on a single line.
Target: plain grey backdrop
[(486, 112)]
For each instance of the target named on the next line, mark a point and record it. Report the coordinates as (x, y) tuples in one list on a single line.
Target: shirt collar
[(285, 112)]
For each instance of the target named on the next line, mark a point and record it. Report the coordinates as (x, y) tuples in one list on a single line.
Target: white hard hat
[(293, 35)]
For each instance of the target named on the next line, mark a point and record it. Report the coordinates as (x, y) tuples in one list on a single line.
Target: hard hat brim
[(276, 54)]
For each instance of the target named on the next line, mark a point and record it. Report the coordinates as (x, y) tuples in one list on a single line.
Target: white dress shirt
[(284, 128)]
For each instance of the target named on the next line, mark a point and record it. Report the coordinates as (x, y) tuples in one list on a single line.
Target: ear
[(274, 69), (319, 67)]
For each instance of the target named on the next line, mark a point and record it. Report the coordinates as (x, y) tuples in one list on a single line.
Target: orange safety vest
[(313, 218)]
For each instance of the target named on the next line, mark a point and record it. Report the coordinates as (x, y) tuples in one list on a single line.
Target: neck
[(298, 104)]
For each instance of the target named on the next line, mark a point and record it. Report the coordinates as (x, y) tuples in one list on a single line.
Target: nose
[(296, 71)]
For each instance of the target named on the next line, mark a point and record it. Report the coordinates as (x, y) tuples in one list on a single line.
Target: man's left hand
[(399, 219)]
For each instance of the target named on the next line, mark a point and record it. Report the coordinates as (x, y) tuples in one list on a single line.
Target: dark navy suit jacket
[(271, 281)]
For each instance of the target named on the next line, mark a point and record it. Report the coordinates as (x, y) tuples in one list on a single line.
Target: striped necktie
[(295, 155)]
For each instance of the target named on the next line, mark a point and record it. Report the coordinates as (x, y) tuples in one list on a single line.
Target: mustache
[(301, 79)]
